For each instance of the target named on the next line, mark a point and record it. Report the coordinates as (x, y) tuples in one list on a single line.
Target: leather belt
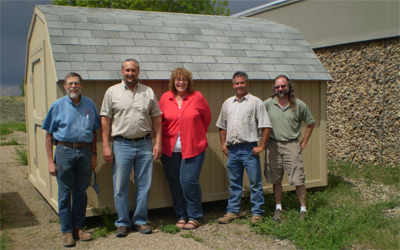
[(148, 136), (293, 140), (74, 145)]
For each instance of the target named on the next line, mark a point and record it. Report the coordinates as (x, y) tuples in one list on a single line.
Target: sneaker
[(277, 215), (78, 233), (143, 229), (256, 219), (67, 240), (303, 214), (121, 231), (228, 218)]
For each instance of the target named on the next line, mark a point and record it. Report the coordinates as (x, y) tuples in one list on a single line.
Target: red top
[(192, 120)]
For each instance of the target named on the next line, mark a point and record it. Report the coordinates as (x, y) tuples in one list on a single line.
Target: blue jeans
[(183, 177), (241, 157), (73, 173), (139, 155)]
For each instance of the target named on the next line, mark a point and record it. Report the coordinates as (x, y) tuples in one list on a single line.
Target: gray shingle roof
[(94, 42)]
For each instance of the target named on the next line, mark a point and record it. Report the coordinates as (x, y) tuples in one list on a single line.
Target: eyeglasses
[(180, 80), (281, 86), (72, 83)]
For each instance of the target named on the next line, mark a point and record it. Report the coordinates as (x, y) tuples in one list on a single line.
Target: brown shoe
[(67, 240), (121, 231), (78, 233), (277, 215), (228, 218), (256, 219), (143, 229), (303, 214)]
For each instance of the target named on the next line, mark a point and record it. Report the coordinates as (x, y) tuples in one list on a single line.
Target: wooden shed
[(94, 42)]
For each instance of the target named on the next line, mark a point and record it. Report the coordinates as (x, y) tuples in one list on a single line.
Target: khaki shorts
[(286, 155)]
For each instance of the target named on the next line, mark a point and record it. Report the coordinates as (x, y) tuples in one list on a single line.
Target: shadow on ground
[(15, 213)]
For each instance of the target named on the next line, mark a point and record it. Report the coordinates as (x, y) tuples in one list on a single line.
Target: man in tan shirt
[(132, 110)]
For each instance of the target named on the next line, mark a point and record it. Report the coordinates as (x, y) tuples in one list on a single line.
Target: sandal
[(180, 223), (192, 224)]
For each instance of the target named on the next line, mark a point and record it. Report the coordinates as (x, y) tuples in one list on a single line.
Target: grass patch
[(191, 235), (55, 220), (388, 175), (8, 143), (8, 128), (169, 228), (108, 218), (5, 240), (12, 109), (222, 235), (337, 217), (21, 155)]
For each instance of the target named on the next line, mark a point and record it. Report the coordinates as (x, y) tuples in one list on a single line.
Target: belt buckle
[(75, 145)]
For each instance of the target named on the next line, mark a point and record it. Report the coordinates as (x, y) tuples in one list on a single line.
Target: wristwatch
[(94, 153)]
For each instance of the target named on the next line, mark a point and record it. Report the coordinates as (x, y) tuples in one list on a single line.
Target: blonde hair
[(179, 72)]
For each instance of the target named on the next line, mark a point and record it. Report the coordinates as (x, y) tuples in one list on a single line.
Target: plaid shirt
[(243, 119)]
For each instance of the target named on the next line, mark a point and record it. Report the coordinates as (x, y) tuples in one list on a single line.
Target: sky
[(15, 19)]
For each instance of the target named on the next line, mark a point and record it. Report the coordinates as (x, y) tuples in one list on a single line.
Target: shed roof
[(94, 42)]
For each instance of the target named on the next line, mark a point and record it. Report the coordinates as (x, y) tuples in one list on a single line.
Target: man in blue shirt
[(72, 121)]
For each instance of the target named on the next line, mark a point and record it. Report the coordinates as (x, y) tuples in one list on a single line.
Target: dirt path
[(31, 223)]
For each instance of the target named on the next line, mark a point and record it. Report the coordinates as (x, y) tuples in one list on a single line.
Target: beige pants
[(284, 155)]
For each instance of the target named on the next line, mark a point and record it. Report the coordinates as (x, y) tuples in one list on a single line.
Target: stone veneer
[(363, 101)]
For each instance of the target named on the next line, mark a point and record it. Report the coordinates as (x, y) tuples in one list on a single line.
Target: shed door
[(38, 102)]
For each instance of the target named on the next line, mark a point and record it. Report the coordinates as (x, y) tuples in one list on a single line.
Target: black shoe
[(143, 229), (121, 231)]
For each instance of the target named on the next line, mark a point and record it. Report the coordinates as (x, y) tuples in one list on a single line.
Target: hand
[(257, 151), (108, 154), (303, 145), (157, 151), (93, 161), (225, 150), (52, 169)]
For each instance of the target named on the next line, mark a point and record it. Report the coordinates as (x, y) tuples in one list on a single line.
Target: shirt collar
[(172, 95), (123, 84), (71, 102), (277, 104), (244, 98)]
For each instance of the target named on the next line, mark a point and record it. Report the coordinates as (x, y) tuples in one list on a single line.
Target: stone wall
[(364, 101)]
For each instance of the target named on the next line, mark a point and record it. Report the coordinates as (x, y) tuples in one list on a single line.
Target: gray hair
[(73, 74), (130, 59), (239, 74)]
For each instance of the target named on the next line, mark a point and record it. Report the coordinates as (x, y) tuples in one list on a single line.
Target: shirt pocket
[(142, 105), (88, 121)]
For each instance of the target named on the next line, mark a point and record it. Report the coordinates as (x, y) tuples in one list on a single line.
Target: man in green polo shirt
[(284, 149)]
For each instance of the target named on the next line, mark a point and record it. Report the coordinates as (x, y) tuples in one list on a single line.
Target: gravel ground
[(32, 224), (376, 192)]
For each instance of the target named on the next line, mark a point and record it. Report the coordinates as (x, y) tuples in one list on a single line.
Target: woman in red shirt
[(185, 120)]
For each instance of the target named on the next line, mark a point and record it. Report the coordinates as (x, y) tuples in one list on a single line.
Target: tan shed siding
[(218, 180), (213, 178), (323, 134), (38, 99)]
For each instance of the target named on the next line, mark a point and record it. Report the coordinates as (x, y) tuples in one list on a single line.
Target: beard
[(130, 81), (73, 95), (282, 93)]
